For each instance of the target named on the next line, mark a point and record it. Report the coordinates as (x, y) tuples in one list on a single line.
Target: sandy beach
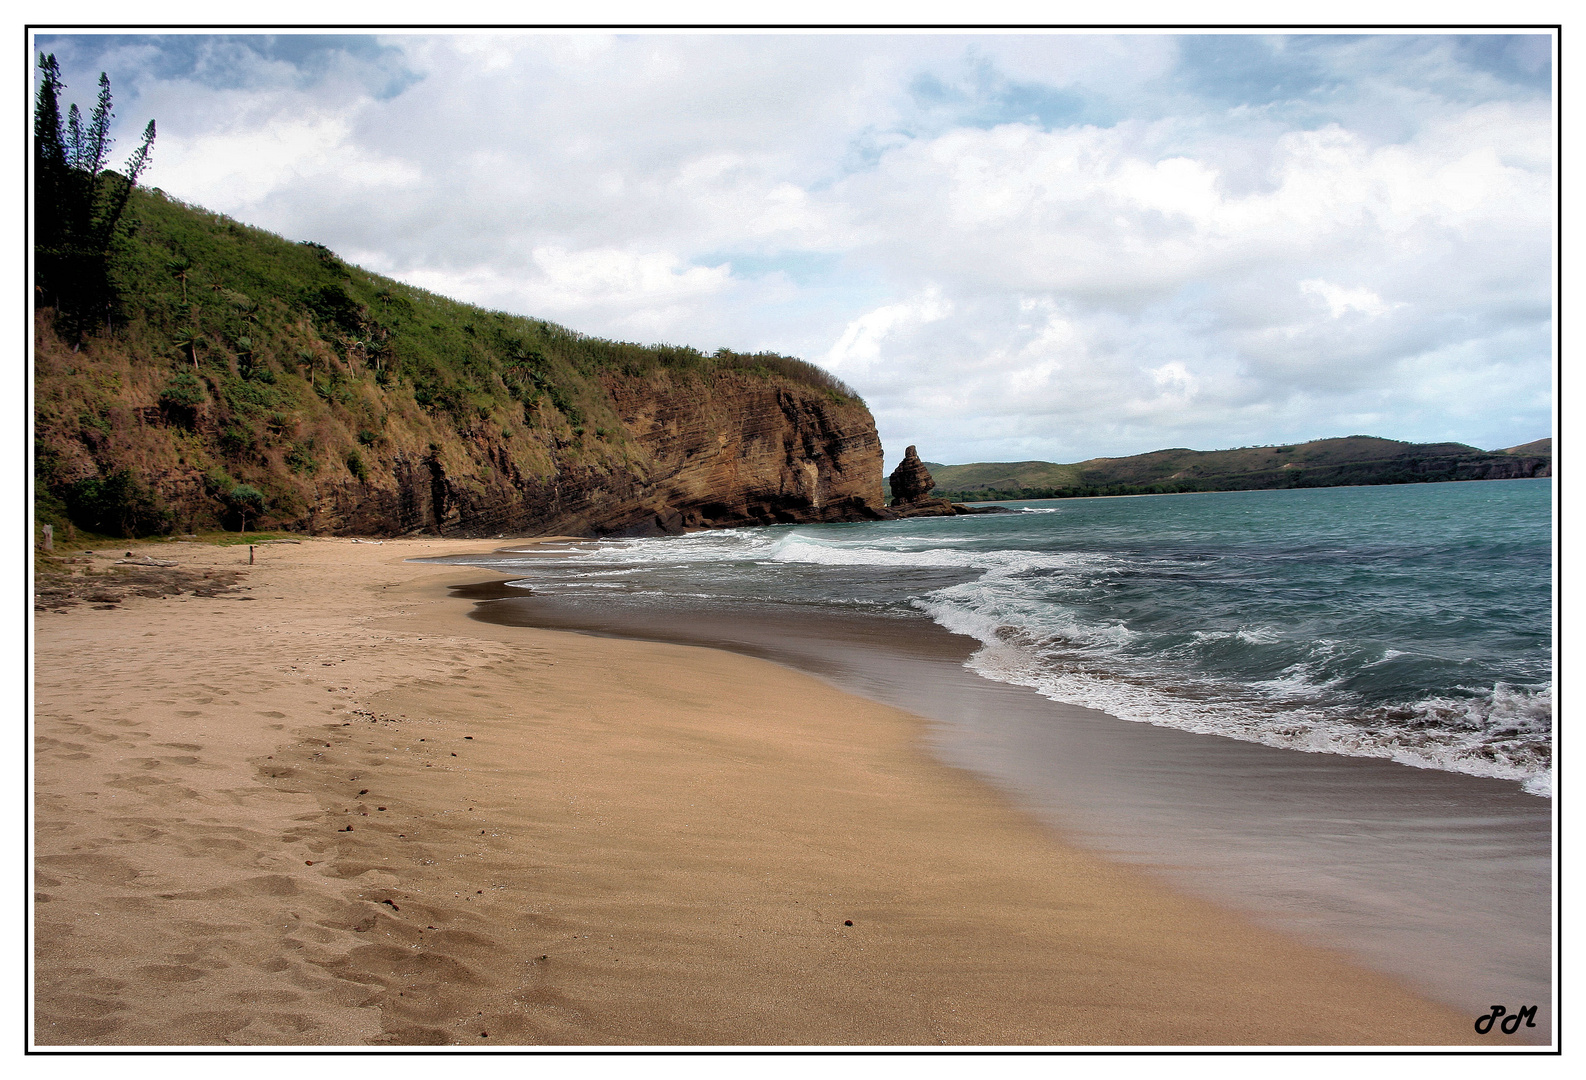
[(323, 806)]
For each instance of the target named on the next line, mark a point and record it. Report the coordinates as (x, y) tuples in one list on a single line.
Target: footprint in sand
[(170, 973)]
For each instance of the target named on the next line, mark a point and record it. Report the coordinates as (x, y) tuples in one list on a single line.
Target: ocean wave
[(1004, 561), (1260, 635), (1310, 644), (1503, 732)]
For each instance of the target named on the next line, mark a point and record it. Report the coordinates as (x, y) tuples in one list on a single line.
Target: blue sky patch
[(231, 62)]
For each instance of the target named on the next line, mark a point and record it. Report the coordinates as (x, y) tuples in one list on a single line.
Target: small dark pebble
[(308, 862), (454, 754), (379, 808), (468, 736), (363, 791), (484, 1034), (848, 922)]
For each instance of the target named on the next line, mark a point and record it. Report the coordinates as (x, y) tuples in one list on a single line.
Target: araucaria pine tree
[(77, 203)]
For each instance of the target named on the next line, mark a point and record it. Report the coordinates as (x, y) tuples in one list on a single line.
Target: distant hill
[(1357, 459)]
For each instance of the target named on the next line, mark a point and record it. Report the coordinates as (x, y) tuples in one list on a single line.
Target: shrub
[(236, 441), (300, 459), (185, 391), (115, 505)]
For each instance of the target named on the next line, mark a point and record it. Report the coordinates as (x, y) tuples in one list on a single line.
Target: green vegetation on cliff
[(1358, 459), (239, 376)]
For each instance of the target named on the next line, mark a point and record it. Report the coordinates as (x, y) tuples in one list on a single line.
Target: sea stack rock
[(911, 481), (911, 493)]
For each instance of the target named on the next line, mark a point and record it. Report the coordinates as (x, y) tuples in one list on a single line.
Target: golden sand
[(331, 809)]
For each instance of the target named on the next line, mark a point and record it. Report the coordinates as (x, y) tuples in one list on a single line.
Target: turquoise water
[(1407, 622)]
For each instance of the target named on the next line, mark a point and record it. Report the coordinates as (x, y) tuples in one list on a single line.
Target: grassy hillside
[(1004, 476), (1357, 459), (243, 370)]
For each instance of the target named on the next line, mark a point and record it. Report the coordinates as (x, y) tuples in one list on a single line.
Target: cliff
[(704, 454), (244, 381)]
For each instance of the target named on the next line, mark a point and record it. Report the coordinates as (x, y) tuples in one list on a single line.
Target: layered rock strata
[(912, 484), (730, 451)]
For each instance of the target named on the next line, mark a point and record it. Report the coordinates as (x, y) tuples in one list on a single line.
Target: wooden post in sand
[(49, 538), (250, 554)]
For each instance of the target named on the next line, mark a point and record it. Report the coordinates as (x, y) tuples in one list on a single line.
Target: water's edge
[(1441, 879)]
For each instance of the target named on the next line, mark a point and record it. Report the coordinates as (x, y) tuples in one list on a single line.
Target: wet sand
[(332, 809), (1440, 879)]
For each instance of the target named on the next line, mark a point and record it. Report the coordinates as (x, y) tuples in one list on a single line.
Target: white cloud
[(621, 277), (1340, 301), (1174, 379), (631, 293), (243, 168), (1014, 245), (862, 340)]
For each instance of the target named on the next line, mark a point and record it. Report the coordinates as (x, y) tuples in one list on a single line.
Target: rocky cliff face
[(658, 453), (730, 451), (1496, 467), (739, 451)]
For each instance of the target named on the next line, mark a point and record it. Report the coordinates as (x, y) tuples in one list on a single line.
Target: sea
[(1331, 708), (1412, 623)]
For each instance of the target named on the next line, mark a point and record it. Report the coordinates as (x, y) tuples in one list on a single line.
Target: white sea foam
[(1044, 620), (1468, 735), (800, 549), (1260, 635)]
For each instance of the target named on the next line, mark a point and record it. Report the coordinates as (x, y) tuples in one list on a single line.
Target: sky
[(1013, 245)]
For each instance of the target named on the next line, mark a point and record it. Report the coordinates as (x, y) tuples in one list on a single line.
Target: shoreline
[(1382, 861), (252, 829)]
